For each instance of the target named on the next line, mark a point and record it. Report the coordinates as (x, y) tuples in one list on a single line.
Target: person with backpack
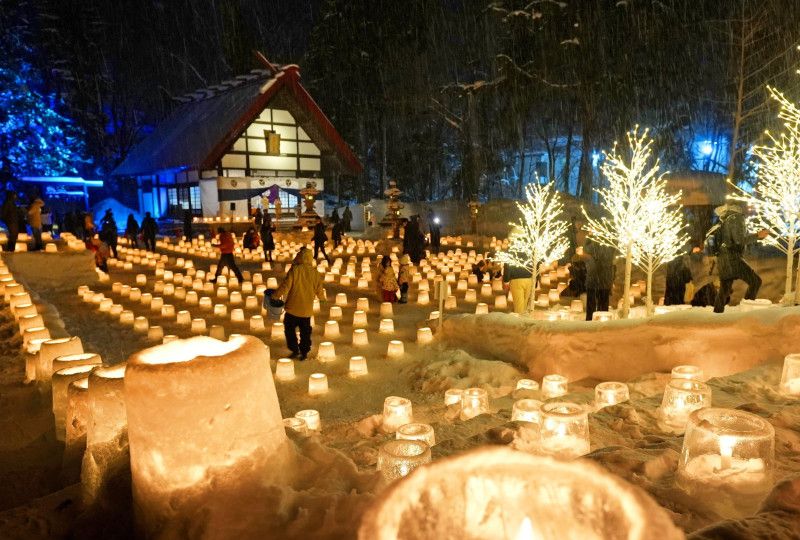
[(728, 240)]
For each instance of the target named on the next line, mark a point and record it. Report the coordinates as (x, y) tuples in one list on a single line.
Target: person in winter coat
[(702, 269), (267, 238), (101, 253), (388, 281), (678, 276), (149, 230), (11, 219), (436, 234), (226, 258), (108, 231), (301, 285), (413, 241), (337, 232), (404, 278), (730, 262), (599, 276), (320, 238), (89, 230), (132, 231), (187, 224), (335, 216), (258, 219), (518, 280), (251, 239), (35, 221), (577, 274), (347, 218)]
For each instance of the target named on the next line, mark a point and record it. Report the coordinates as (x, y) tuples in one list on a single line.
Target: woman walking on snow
[(388, 281)]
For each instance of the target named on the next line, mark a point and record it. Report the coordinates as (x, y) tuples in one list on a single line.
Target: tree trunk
[(473, 178), (585, 173), (521, 150), (384, 162), (626, 286), (532, 299), (565, 172), (787, 290), (737, 116), (649, 299)]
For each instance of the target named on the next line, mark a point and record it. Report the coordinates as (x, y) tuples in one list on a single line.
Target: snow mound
[(457, 369), (721, 344)]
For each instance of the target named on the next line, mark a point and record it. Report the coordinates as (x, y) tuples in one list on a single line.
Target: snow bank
[(722, 344)]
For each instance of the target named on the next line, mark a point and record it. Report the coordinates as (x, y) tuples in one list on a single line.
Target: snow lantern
[(220, 310), (681, 398), (155, 334), (576, 306), (564, 430), (141, 325), (183, 318), (396, 412), (727, 460), (500, 302), (527, 410), (474, 402), (400, 457), (359, 319), (106, 431), (395, 349), (526, 386), (360, 338), (471, 296), (198, 326), (237, 315), (331, 330), (453, 396), (416, 432), (24, 309), (553, 386), (424, 335), (358, 366), (311, 418), (37, 332), (499, 493), (790, 378), (169, 337), (298, 425), (341, 299), (29, 321), (61, 380), (610, 393), (481, 308), (335, 312), (257, 324), (277, 331), (146, 299), (326, 352), (602, 316), (317, 384), (692, 373), (423, 298), (126, 317), (156, 303), (284, 369), (386, 310), (52, 349), (204, 428), (386, 326)]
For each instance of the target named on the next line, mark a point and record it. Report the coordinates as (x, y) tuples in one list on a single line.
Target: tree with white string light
[(662, 238), (642, 222), (776, 195), (541, 236)]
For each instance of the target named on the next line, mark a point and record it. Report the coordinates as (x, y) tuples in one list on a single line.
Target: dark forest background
[(450, 97)]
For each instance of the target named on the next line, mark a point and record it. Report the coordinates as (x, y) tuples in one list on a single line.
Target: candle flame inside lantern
[(726, 444), (525, 531)]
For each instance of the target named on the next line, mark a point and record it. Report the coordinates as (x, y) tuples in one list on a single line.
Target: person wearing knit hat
[(404, 277)]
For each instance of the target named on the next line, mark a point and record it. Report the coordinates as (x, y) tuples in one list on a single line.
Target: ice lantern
[(211, 433), (681, 398), (727, 460), (500, 493), (565, 430), (790, 378), (396, 413)]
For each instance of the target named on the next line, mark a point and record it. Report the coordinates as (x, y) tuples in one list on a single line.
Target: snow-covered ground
[(333, 479)]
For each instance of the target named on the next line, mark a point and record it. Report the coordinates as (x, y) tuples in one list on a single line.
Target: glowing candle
[(358, 366), (359, 319), (198, 326), (220, 310), (141, 325), (341, 299), (416, 432), (687, 372), (424, 335), (602, 316), (453, 396), (610, 393), (395, 349), (311, 418), (331, 330), (335, 312), (135, 295), (326, 352), (155, 333), (284, 370), (257, 324), (474, 401), (237, 315), (481, 308), (61, 381), (317, 384), (399, 458), (218, 332), (277, 331), (386, 326), (471, 296), (297, 425), (681, 398), (176, 468), (554, 386), (790, 376), (527, 410), (205, 303), (564, 431), (397, 411), (360, 338), (126, 317), (50, 350), (423, 298), (141, 279)]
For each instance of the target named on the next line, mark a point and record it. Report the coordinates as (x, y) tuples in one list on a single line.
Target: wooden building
[(236, 146)]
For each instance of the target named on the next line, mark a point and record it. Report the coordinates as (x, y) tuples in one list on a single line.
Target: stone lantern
[(473, 216), (308, 217), (393, 207)]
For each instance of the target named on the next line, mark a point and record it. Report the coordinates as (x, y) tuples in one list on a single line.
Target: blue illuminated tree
[(35, 139)]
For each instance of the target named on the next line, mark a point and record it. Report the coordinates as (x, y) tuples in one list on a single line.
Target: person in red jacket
[(226, 259)]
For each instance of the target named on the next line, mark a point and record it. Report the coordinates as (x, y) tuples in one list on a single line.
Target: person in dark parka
[(10, 216), (320, 239), (678, 276), (730, 262), (599, 276)]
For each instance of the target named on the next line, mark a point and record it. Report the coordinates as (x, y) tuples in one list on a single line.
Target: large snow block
[(206, 435), (721, 344)]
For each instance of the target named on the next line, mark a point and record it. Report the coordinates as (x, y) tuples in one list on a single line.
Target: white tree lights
[(776, 197), (644, 222), (542, 239)]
